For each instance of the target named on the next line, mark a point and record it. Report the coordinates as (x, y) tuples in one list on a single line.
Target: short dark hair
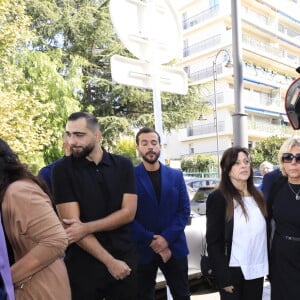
[(91, 120), (146, 130)]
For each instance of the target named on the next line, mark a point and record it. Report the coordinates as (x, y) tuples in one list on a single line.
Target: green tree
[(267, 150), (36, 89), (60, 85), (187, 164), (19, 110), (199, 163), (84, 29), (126, 147)]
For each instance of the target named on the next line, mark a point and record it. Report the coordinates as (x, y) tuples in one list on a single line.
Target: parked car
[(257, 180), (196, 182), (191, 191), (198, 202)]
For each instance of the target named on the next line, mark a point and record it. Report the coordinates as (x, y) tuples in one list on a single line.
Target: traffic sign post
[(138, 73), (150, 29)]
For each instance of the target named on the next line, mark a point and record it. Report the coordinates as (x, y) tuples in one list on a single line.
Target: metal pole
[(240, 130), (215, 112), (156, 81), (215, 101)]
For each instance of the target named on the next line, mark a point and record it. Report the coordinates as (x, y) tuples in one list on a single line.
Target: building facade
[(270, 50)]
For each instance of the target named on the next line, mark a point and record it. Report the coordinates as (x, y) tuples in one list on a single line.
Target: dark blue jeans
[(176, 275), (3, 294)]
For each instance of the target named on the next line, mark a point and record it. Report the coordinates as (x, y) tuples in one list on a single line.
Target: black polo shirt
[(99, 191)]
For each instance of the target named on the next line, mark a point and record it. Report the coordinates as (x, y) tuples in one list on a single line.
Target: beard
[(81, 152), (151, 159)]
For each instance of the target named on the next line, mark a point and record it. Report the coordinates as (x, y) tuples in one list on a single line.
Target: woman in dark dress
[(284, 209)]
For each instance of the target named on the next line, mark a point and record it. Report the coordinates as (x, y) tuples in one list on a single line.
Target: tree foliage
[(84, 28), (55, 59), (199, 163), (126, 147), (267, 150), (20, 111), (37, 90)]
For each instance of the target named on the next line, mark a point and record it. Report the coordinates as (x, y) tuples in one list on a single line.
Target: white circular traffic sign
[(150, 29)]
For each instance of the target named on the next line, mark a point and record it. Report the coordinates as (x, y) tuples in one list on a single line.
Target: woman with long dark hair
[(236, 229), (34, 232)]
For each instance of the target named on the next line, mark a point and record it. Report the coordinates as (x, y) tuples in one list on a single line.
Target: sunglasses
[(288, 157)]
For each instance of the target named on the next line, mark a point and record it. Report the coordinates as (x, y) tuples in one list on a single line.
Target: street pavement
[(215, 296)]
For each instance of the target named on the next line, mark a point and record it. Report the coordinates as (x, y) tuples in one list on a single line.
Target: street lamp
[(202, 117), (228, 64)]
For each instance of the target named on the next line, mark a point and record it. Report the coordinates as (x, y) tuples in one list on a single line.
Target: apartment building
[(270, 51)]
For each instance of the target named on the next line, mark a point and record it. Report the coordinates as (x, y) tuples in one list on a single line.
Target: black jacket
[(218, 237)]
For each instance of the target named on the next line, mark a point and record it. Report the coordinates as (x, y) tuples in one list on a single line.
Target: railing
[(205, 129), (205, 73), (260, 128), (272, 129), (201, 46), (201, 17), (253, 16), (201, 174)]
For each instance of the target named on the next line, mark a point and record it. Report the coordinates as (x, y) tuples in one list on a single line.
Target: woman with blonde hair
[(34, 232), (236, 231), (284, 209)]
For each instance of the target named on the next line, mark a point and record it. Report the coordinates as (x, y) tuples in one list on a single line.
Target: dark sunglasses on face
[(288, 157)]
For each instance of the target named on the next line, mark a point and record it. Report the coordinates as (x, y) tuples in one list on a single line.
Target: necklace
[(297, 194)]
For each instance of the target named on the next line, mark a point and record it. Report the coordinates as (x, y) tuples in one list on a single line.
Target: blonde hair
[(286, 147)]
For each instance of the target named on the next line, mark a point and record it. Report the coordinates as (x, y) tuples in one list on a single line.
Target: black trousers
[(90, 280), (176, 275), (243, 289)]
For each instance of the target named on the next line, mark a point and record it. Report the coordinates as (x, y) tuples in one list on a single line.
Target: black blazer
[(218, 237)]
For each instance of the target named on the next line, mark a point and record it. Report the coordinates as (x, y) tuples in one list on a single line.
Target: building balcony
[(209, 44), (256, 129), (256, 20), (201, 17), (205, 129), (263, 130)]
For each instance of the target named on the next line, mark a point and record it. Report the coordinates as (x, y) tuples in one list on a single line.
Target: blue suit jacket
[(167, 217), (45, 173), (268, 180)]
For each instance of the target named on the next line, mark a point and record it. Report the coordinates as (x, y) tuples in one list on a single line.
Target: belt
[(290, 238)]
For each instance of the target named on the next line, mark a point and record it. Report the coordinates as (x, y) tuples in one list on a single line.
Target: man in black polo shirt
[(95, 191)]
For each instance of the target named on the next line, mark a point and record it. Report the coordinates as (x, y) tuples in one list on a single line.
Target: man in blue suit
[(163, 211)]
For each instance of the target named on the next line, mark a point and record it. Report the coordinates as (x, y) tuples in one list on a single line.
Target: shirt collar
[(85, 162)]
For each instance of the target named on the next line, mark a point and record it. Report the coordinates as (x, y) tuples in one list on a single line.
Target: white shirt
[(249, 240)]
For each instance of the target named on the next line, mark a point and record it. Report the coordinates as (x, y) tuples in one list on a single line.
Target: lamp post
[(201, 117), (228, 65)]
